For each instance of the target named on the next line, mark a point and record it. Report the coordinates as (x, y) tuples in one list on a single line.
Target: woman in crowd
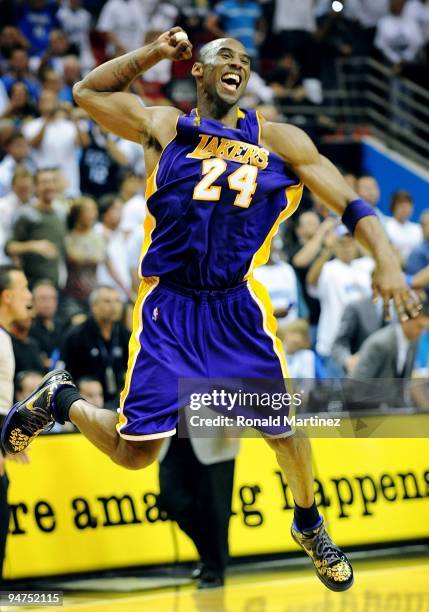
[(84, 250)]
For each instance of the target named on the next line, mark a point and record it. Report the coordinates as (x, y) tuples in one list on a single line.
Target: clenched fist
[(170, 48)]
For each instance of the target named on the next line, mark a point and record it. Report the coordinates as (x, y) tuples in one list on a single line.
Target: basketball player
[(221, 181)]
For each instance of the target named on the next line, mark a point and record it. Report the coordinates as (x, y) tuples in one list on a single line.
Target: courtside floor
[(387, 585)]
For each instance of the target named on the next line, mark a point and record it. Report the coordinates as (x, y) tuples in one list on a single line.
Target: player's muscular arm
[(315, 170), (103, 92), (323, 179)]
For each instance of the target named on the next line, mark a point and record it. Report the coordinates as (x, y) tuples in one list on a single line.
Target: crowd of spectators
[(72, 200)]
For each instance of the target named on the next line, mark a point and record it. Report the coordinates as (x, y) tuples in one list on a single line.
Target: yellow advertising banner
[(74, 510)]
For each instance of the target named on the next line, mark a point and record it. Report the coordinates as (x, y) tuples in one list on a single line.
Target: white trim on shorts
[(285, 434), (155, 436)]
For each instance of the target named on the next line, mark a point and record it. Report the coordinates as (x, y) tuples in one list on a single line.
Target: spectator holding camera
[(337, 283), (55, 139)]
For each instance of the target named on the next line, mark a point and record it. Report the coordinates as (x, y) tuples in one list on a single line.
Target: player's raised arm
[(103, 92), (323, 179)]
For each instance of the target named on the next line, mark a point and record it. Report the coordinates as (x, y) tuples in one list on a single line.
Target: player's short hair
[(400, 196), (206, 49), (6, 276)]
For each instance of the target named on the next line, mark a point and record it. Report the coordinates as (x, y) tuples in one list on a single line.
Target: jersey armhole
[(151, 184)]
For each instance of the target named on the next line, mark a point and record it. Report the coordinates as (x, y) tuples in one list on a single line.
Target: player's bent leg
[(56, 399), (99, 427), (137, 455), (308, 530)]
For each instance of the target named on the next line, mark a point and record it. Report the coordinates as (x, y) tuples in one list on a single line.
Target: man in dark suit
[(196, 480), (389, 355), (360, 319), (99, 346)]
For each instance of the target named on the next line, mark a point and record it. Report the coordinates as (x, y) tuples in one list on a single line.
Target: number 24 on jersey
[(242, 180)]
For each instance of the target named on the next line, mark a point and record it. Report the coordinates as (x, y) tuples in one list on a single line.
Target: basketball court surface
[(382, 585)]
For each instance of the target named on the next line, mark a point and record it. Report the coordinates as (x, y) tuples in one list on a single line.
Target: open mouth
[(231, 81)]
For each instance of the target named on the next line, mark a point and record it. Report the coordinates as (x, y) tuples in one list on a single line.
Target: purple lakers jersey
[(215, 201)]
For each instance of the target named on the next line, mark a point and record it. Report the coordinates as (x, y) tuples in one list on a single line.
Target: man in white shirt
[(294, 22), (55, 141), (15, 298), (403, 233), (418, 10), (76, 22), (337, 283), (398, 38), (124, 22), (290, 15)]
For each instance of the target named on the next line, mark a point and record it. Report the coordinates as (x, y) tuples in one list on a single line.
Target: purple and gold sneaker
[(331, 564), (35, 414)]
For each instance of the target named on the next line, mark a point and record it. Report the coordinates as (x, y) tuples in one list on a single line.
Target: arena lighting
[(337, 6)]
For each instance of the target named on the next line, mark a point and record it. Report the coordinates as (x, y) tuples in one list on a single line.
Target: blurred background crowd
[(72, 202)]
